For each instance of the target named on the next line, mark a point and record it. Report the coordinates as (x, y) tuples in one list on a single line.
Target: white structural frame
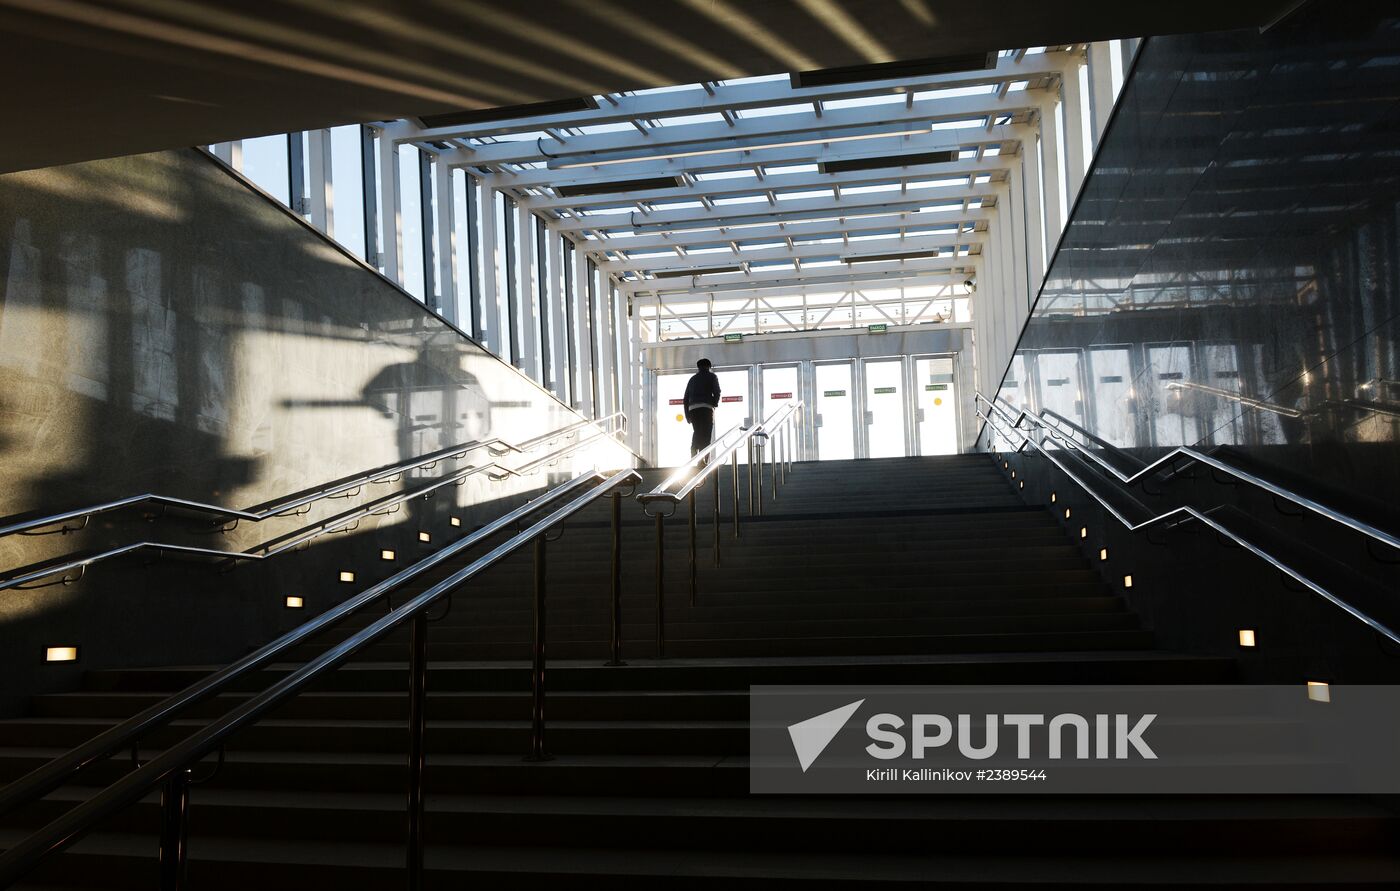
[(741, 227)]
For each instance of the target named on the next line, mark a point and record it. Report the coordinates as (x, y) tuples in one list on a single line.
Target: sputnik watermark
[(1186, 739), (1092, 736)]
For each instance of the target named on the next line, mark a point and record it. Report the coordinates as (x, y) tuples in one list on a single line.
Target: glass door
[(672, 431), (1060, 391), (1111, 395), (884, 408), (779, 387), (735, 406), (937, 406), (836, 412)]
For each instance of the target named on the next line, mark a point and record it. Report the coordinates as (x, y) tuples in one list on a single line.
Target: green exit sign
[(877, 328), (733, 338), (935, 387)]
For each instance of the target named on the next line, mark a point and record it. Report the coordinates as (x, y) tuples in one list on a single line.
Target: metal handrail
[(779, 429), (496, 445), (1056, 419), (1200, 457), (328, 525), (1179, 514), (172, 766)]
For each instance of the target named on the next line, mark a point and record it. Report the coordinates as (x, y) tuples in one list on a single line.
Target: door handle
[(869, 418), (920, 416), (819, 420)]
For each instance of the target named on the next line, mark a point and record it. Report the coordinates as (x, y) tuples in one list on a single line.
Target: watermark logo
[(811, 737), (1188, 739)]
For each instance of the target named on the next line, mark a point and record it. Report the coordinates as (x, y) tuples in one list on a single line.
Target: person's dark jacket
[(702, 392)]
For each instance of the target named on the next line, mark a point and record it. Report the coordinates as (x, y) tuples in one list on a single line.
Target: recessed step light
[(60, 654), (295, 603)]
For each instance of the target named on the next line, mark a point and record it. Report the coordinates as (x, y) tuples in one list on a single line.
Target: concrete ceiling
[(87, 80)]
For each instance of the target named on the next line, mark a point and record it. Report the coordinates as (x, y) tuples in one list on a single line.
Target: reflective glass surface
[(1230, 278)]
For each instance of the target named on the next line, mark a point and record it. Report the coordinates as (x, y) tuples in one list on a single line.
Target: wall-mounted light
[(347, 576), (1083, 532), (1066, 513), (1022, 484), (60, 654), (1013, 474), (424, 536), (1246, 637), (386, 554), (1103, 554), (1318, 691), (1127, 581), (295, 602), (1005, 464), (1052, 497), (456, 521)]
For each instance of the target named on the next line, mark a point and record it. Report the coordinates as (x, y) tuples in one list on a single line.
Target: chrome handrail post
[(417, 757), (717, 476), (734, 485), (691, 499), (775, 445), (537, 668), (660, 586), (757, 453), (174, 832), (616, 581), (749, 474)]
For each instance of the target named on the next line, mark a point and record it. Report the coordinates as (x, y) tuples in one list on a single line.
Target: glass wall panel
[(347, 192), (266, 163), (1231, 277), (411, 222)]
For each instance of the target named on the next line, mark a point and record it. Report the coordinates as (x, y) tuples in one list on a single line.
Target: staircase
[(898, 571)]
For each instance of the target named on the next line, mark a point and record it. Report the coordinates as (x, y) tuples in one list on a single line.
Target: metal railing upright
[(777, 436)]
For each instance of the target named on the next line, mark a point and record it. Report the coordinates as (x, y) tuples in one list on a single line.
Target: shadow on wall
[(165, 329)]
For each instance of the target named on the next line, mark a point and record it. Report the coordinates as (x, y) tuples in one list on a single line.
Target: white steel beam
[(739, 159), (716, 237), (805, 251), (779, 183), (740, 96), (783, 277), (773, 131), (318, 180), (756, 213), (392, 248)]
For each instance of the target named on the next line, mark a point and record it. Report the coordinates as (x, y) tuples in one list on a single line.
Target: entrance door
[(936, 396), (1174, 422), (1060, 384), (735, 406), (884, 408), (672, 432), (836, 431)]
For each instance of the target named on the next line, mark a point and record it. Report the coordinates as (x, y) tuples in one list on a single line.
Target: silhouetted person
[(701, 400)]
